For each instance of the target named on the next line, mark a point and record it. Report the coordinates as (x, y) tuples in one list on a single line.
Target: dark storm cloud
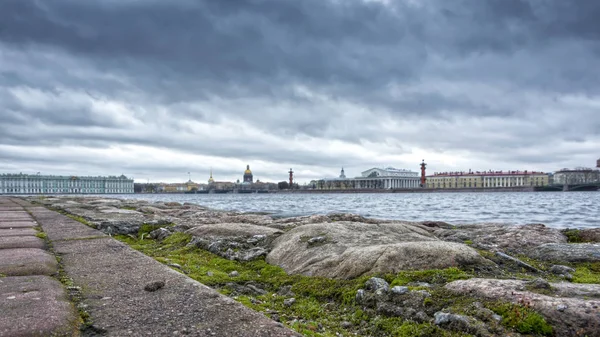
[(298, 75)]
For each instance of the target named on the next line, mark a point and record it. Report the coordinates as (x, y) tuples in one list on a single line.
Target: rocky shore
[(343, 274)]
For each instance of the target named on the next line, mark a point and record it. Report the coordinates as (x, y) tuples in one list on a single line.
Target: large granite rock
[(506, 238), (573, 310), (567, 252), (350, 249)]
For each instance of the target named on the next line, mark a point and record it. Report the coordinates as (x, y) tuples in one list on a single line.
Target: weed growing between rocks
[(587, 273), (316, 306)]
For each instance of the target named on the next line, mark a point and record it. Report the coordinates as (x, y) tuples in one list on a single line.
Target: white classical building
[(576, 176), (41, 184), (375, 178)]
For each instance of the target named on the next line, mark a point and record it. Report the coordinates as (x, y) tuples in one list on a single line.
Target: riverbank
[(343, 274)]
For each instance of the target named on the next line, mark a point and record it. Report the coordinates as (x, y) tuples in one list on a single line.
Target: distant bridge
[(571, 187)]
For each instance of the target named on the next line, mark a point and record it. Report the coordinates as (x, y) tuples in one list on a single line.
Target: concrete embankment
[(107, 289)]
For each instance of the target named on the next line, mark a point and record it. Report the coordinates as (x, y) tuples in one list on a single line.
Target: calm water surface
[(556, 209)]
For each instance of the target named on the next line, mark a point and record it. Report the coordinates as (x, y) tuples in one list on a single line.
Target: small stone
[(399, 290), (360, 295), (561, 270), (419, 284), (497, 317), (316, 239), (154, 286), (442, 318), (289, 302), (275, 317), (209, 273), (562, 307), (174, 265), (11, 297), (346, 325), (539, 283), (234, 274), (376, 283)]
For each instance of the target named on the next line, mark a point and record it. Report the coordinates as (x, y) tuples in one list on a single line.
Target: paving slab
[(10, 242), (113, 276), (27, 261), (17, 224), (4, 216), (4, 232), (59, 227), (35, 306), (6, 208)]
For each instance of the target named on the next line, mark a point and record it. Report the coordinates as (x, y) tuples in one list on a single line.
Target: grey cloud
[(363, 64)]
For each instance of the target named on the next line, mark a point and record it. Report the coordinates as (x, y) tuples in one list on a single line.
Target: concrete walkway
[(124, 292)]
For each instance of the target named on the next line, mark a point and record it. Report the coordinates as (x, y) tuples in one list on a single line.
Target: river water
[(555, 209)]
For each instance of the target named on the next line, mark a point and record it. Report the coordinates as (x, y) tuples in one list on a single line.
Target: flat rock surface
[(350, 249), (17, 224), (113, 277), (27, 261), (7, 242), (35, 306), (17, 232), (233, 230), (580, 309), (506, 238), (567, 252)]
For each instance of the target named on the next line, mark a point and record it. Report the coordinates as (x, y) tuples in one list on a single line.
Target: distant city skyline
[(103, 88)]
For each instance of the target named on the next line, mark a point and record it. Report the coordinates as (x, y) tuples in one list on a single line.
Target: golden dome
[(247, 170)]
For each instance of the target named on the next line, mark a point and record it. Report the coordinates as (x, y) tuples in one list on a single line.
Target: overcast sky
[(155, 89)]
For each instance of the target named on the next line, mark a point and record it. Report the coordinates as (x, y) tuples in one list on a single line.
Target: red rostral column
[(423, 179), (291, 178)]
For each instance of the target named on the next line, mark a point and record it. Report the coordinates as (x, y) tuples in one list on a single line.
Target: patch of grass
[(587, 273), (2, 275), (80, 219), (573, 235), (433, 276), (468, 242), (147, 228), (523, 319), (41, 235)]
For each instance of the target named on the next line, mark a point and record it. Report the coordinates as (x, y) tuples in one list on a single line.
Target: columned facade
[(375, 178), (38, 184)]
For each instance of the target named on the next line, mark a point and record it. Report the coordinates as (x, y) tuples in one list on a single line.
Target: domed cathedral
[(211, 180), (248, 175)]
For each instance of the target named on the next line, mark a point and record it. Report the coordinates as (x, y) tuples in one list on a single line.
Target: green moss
[(587, 273), (573, 235), (178, 238), (41, 235), (468, 242), (2, 275), (522, 319), (147, 228), (433, 276), (129, 208)]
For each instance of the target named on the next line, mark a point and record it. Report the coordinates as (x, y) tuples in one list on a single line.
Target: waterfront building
[(179, 187), (374, 178), (576, 176), (248, 178), (46, 184), (486, 179)]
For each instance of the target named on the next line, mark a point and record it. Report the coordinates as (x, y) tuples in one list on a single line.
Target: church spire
[(211, 180)]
